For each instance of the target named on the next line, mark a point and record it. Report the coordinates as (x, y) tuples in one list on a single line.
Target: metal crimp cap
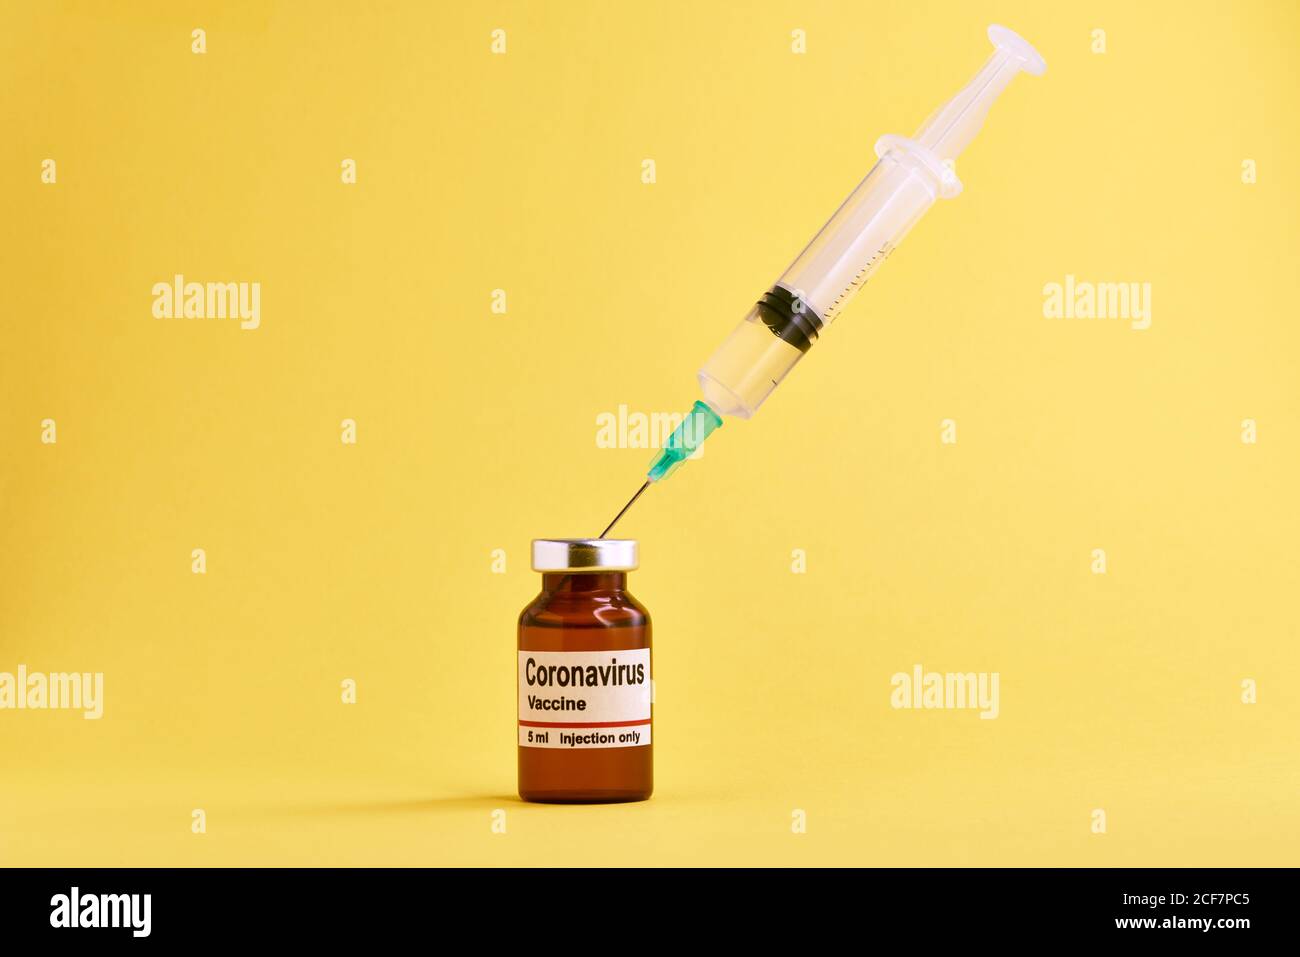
[(584, 554)]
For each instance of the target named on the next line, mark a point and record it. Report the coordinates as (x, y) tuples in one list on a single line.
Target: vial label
[(584, 699)]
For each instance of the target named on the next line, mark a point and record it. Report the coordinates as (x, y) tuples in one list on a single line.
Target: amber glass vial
[(584, 677)]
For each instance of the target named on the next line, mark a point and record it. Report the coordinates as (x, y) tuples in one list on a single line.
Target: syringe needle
[(624, 509)]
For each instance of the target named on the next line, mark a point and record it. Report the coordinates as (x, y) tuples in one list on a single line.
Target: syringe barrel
[(909, 176), (862, 233), (782, 326)]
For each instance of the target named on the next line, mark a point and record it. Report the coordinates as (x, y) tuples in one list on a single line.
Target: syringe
[(908, 177)]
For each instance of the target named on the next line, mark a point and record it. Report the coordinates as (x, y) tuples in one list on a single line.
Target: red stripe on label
[(580, 724)]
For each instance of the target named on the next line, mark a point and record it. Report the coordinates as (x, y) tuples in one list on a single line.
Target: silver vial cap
[(584, 554)]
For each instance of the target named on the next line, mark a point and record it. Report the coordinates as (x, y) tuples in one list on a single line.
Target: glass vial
[(584, 677)]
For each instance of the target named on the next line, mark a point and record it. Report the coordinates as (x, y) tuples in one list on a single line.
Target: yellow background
[(477, 431)]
